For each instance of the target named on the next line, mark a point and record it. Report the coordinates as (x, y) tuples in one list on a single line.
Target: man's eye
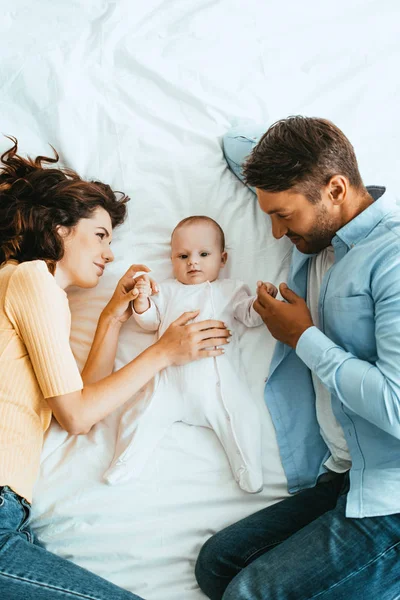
[(283, 216)]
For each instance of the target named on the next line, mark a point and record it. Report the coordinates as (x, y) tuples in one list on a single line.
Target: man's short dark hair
[(301, 153)]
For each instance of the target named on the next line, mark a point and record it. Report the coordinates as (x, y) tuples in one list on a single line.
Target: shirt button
[(218, 384)]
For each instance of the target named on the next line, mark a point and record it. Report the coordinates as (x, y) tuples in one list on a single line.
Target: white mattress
[(139, 94)]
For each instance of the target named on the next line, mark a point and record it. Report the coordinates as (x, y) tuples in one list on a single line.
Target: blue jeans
[(304, 547), (28, 571)]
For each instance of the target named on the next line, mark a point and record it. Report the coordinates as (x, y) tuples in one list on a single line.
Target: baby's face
[(196, 253)]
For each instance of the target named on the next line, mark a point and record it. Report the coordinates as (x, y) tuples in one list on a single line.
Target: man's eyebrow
[(276, 210), (104, 229)]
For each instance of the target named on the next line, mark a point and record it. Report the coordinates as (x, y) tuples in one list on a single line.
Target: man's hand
[(286, 321)]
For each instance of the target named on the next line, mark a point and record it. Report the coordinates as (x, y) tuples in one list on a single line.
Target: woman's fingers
[(128, 280), (210, 324), (214, 341), (208, 353), (133, 269), (208, 334)]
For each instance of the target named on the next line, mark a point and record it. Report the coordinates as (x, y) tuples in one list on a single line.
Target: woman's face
[(86, 251)]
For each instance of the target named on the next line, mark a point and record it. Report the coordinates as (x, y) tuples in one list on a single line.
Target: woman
[(55, 231)]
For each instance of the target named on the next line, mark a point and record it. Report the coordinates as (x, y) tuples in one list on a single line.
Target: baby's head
[(197, 250)]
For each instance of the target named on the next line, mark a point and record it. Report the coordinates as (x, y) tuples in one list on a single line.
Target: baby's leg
[(239, 430), (138, 436)]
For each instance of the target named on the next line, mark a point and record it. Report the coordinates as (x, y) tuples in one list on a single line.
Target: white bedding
[(139, 94)]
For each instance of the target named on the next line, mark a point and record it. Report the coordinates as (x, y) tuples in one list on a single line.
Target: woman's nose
[(108, 255)]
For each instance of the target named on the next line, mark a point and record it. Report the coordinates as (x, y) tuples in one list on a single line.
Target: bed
[(140, 95)]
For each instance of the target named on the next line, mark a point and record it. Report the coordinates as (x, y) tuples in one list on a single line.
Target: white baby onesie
[(211, 392)]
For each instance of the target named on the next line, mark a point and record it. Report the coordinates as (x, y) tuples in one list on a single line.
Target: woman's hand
[(184, 343), (119, 307)]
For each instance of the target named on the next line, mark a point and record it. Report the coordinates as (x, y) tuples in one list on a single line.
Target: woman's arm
[(79, 411), (100, 361)]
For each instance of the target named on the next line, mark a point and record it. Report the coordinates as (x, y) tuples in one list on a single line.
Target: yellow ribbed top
[(36, 362)]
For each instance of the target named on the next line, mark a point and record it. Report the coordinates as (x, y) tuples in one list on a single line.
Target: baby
[(211, 392)]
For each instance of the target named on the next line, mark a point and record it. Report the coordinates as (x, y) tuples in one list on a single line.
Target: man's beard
[(320, 236)]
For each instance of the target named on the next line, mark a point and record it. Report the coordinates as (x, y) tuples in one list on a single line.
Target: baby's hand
[(143, 288), (271, 289)]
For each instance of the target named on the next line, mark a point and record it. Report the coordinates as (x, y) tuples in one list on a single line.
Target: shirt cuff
[(312, 345)]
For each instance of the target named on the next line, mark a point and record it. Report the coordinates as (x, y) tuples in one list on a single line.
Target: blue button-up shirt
[(356, 355)]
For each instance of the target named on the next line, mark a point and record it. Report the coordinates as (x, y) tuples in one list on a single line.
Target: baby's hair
[(204, 219)]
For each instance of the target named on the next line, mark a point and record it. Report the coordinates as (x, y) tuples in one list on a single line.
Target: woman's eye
[(101, 235)]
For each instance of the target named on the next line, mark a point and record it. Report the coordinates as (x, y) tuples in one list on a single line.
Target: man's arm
[(370, 390)]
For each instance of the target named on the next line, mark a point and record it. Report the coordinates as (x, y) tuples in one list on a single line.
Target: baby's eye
[(205, 254), (182, 256)]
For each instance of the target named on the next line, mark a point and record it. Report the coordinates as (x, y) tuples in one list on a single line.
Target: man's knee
[(212, 571), (242, 588), (207, 560)]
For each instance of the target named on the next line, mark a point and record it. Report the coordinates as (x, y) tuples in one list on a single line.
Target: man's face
[(310, 227)]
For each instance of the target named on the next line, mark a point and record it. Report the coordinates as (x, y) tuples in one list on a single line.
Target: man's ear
[(337, 188), (224, 258)]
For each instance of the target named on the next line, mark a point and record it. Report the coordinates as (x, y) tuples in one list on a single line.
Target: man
[(334, 384)]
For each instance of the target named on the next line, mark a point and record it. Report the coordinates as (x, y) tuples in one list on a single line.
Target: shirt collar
[(358, 228)]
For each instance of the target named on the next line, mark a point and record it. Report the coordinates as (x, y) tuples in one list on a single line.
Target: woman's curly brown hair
[(35, 200)]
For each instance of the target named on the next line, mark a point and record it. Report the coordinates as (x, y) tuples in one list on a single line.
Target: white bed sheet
[(139, 94)]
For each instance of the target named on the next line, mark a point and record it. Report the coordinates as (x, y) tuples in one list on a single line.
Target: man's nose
[(278, 228)]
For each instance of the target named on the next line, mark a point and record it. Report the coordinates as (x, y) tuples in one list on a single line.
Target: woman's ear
[(62, 231)]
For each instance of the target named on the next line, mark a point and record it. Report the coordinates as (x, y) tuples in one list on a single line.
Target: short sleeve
[(38, 309)]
